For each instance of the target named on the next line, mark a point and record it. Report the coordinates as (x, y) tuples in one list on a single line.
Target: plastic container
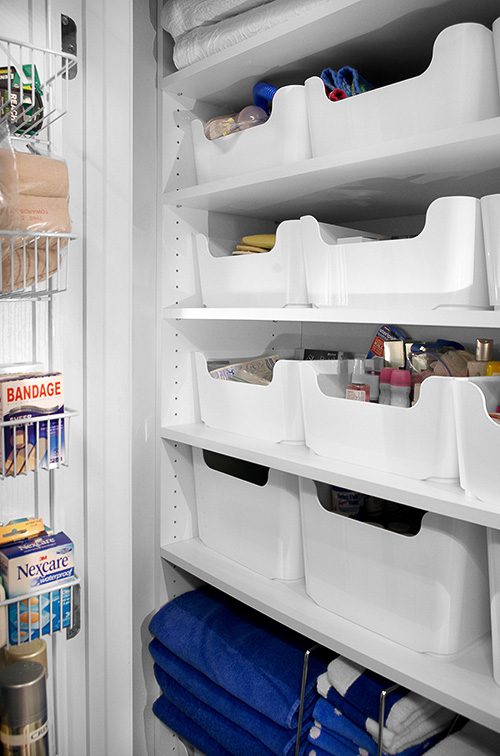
[(267, 279), (250, 514), (417, 442), (490, 210), (493, 537), (459, 86), (478, 436), (428, 592), (444, 266), (282, 140), (271, 413)]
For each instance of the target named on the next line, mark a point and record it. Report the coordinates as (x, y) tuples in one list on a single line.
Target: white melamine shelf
[(462, 682), (442, 497), (290, 51), (440, 317), (387, 180)]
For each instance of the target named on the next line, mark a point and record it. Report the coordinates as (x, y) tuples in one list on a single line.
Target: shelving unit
[(389, 186)]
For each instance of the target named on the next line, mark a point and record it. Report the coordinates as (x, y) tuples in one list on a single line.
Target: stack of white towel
[(204, 27)]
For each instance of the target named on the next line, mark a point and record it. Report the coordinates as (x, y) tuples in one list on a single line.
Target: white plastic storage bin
[(478, 436), (417, 442), (494, 570), (490, 209), (283, 139), (266, 279), (444, 266), (428, 592), (270, 413), (250, 514), (460, 86)]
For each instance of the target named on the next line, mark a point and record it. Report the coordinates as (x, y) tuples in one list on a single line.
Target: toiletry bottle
[(385, 385), (400, 388), (23, 710), (484, 354), (493, 368), (357, 389), (245, 119), (346, 502)]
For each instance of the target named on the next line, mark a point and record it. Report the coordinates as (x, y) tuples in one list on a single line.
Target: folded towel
[(186, 728), (280, 740), (248, 654), (405, 712), (472, 740), (203, 41), (329, 743), (232, 737), (333, 722), (178, 17)]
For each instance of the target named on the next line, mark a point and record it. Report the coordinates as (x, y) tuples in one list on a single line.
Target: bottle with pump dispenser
[(358, 389), (484, 355)]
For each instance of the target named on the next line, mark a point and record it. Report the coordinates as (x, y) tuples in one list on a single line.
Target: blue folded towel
[(280, 740), (186, 728), (248, 654), (332, 722), (233, 738), (329, 743)]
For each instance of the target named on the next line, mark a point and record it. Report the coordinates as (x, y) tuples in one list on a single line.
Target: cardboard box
[(39, 444), (33, 565)]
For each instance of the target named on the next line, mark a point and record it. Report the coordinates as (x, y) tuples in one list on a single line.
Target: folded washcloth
[(280, 740), (332, 722), (186, 728), (248, 654), (233, 738), (472, 740), (409, 717)]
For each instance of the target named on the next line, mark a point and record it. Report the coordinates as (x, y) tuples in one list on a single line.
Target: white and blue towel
[(410, 722), (332, 727)]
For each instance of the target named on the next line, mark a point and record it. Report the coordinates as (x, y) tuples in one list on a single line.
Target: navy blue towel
[(186, 728), (233, 738), (280, 740), (248, 654)]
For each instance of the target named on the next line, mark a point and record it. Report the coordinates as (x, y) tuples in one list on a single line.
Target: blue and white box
[(29, 567)]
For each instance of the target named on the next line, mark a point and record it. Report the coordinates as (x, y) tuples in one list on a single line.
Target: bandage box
[(34, 565), (37, 444)]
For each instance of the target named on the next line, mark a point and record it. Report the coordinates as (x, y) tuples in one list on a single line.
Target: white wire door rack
[(31, 444), (33, 265), (59, 603), (33, 87)]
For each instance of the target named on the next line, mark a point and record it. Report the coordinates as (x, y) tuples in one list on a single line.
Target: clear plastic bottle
[(245, 119), (400, 388)]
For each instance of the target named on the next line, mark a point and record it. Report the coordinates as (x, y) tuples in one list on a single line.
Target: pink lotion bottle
[(357, 389)]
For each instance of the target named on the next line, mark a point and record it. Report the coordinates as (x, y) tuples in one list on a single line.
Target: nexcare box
[(30, 566), (37, 444)]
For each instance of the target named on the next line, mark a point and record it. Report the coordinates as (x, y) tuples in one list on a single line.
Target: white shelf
[(387, 180), (441, 317), (442, 497), (462, 682), (367, 32)]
